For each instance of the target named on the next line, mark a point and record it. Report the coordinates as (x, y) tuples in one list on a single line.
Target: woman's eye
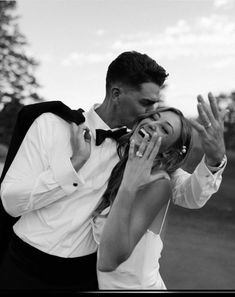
[(164, 130)]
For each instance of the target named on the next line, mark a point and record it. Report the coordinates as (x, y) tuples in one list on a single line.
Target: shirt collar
[(94, 121)]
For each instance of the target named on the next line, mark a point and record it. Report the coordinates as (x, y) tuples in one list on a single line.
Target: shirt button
[(75, 184)]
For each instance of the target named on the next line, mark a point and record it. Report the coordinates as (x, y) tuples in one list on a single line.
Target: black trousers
[(27, 268)]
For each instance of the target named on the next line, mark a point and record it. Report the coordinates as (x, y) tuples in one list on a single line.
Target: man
[(55, 191)]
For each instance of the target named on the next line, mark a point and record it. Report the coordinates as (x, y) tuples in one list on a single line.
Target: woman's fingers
[(141, 150), (131, 149), (148, 149), (155, 149), (153, 146)]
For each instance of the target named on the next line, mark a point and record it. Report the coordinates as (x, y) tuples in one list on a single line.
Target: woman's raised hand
[(80, 140), (137, 173)]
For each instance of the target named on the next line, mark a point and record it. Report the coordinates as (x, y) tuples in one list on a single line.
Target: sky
[(75, 41)]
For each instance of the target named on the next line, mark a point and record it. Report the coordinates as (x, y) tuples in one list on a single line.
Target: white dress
[(141, 270)]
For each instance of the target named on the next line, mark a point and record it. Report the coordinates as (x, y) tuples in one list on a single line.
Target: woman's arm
[(140, 197), (130, 216)]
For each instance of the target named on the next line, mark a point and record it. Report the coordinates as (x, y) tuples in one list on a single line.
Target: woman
[(128, 222)]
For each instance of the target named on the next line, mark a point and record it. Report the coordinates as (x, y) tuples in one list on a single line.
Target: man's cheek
[(156, 105)]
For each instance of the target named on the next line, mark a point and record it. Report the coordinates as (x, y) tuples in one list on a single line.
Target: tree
[(227, 101), (17, 82)]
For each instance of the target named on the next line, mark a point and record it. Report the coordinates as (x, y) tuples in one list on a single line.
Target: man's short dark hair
[(133, 68)]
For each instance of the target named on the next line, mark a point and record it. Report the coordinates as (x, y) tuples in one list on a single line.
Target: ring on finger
[(208, 125), (139, 154)]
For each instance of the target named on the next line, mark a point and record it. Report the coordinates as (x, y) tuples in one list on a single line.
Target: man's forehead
[(150, 95), (150, 88)]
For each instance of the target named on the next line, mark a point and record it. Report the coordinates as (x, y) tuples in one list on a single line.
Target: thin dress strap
[(163, 220)]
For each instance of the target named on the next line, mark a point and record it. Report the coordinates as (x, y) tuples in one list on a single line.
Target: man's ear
[(115, 93)]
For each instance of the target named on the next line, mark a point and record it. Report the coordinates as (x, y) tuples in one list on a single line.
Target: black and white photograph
[(117, 146)]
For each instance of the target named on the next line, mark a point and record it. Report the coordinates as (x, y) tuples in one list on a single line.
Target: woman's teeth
[(142, 132)]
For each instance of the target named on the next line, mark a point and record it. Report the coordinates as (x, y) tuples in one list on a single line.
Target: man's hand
[(80, 140), (211, 130)]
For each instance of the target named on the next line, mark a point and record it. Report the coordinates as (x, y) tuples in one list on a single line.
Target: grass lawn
[(198, 254), (199, 245)]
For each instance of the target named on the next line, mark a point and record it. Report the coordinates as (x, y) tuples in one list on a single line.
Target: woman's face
[(167, 124)]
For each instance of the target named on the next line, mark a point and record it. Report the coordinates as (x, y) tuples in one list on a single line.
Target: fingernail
[(199, 98)]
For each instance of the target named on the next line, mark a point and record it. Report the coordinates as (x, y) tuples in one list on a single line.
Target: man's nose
[(150, 108)]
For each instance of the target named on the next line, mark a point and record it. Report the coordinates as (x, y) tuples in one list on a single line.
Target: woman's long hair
[(170, 160)]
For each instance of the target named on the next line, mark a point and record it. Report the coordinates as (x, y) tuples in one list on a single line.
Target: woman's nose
[(153, 126)]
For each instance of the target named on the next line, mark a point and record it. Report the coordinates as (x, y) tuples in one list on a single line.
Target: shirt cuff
[(222, 165), (65, 174), (204, 171)]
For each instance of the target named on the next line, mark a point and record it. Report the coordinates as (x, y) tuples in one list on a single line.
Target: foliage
[(227, 101), (16, 68), (17, 82)]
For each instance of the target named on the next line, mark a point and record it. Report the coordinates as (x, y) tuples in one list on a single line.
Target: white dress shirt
[(194, 190), (55, 202), (39, 186)]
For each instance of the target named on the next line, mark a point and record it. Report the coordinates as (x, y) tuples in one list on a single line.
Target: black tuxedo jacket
[(25, 118)]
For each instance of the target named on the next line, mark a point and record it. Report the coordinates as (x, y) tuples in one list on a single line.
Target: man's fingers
[(160, 174), (87, 135), (202, 114), (223, 114), (214, 106), (200, 128), (78, 134), (205, 112)]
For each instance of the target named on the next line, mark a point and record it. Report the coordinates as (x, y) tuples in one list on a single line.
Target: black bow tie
[(102, 134)]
